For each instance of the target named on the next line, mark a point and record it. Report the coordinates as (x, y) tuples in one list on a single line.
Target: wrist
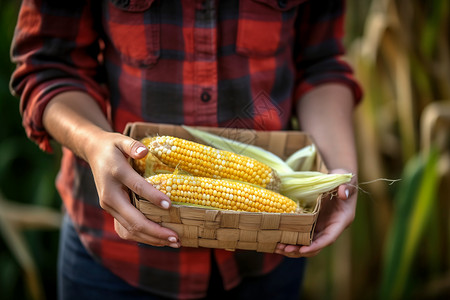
[(75, 121), (95, 141)]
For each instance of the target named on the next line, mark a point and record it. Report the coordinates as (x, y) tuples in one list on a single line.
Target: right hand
[(114, 177)]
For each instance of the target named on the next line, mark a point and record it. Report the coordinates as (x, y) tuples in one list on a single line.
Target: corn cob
[(302, 186), (140, 164), (221, 194), (201, 160), (150, 164)]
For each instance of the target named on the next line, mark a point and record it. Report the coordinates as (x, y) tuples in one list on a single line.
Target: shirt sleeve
[(55, 49), (319, 48)]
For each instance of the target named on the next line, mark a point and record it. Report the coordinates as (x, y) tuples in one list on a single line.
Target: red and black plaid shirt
[(214, 62)]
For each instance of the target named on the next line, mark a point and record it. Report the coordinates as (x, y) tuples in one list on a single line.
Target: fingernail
[(140, 150), (347, 192), (165, 204), (174, 245), (172, 239)]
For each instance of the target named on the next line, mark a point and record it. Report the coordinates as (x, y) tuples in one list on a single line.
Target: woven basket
[(231, 230)]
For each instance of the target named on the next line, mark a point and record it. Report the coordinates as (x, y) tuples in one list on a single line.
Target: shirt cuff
[(340, 78), (32, 114)]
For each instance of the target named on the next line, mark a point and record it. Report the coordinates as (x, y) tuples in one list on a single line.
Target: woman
[(86, 68)]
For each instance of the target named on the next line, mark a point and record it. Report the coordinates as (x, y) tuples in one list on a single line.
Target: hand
[(336, 214), (114, 177), (76, 121)]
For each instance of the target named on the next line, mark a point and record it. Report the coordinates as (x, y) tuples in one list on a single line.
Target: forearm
[(75, 121), (326, 114)]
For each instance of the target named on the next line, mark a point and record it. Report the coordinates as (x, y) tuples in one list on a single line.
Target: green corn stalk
[(414, 204)]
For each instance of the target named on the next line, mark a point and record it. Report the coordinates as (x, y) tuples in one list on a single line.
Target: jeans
[(81, 277)]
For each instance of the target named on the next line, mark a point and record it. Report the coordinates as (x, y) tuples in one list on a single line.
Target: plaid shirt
[(216, 63)]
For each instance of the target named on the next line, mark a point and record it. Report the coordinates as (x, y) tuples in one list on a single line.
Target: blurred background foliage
[(398, 245), (29, 219)]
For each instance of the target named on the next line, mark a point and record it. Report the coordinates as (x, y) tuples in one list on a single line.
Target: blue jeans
[(81, 277)]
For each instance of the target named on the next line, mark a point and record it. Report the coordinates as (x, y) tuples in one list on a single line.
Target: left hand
[(336, 214)]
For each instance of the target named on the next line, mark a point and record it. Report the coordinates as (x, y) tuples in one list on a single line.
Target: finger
[(304, 253), (297, 253), (297, 250), (345, 191), (137, 227), (323, 239), (131, 147), (142, 238), (288, 250), (136, 183), (145, 231), (291, 248), (288, 254), (281, 247)]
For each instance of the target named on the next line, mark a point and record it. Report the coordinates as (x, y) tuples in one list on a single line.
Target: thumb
[(345, 191), (132, 148)]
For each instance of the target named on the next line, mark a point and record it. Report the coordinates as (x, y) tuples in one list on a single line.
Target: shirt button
[(122, 3), (282, 3), (205, 96)]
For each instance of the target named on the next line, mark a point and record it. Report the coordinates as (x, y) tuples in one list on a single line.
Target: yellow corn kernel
[(221, 193), (150, 164), (139, 165), (201, 160)]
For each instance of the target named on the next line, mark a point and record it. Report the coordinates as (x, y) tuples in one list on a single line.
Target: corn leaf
[(415, 201)]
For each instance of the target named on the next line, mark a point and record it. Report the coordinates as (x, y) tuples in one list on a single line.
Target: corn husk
[(305, 186), (303, 159)]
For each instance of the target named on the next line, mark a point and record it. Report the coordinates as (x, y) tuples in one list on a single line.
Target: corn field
[(399, 244)]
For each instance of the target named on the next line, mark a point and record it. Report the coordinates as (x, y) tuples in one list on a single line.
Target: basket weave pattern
[(231, 230)]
